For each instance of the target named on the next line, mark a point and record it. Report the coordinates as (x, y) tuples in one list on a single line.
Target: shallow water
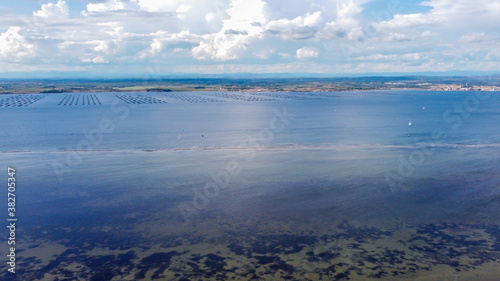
[(206, 186)]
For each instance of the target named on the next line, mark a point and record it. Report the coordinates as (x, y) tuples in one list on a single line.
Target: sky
[(152, 37)]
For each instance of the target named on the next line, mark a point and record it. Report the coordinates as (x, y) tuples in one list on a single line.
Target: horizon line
[(56, 75)]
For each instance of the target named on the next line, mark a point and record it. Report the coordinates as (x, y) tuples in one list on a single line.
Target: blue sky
[(151, 37)]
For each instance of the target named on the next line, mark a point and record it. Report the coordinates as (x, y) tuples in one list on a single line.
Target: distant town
[(36, 86), (453, 87)]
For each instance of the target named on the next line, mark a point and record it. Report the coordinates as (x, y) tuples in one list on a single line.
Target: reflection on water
[(192, 191)]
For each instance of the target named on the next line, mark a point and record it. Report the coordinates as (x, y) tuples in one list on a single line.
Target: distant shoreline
[(252, 91), (289, 85)]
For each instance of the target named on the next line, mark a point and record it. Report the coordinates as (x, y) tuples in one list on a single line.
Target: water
[(206, 186)]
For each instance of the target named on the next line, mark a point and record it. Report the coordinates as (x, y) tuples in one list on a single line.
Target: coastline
[(279, 85)]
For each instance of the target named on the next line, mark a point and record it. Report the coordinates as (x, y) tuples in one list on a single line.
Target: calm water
[(263, 186)]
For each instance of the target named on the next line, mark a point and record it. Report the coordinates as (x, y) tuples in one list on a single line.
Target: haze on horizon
[(124, 37)]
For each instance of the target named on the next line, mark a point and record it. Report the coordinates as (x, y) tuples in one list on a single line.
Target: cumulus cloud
[(50, 10), (97, 59), (219, 32), (297, 28), (472, 37), (158, 6), (251, 23), (347, 23), (13, 45), (447, 15), (392, 57), (244, 25), (307, 52), (163, 38), (111, 5), (407, 21)]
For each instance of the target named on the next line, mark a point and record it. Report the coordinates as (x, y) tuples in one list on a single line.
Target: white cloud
[(448, 15), (399, 37), (97, 59), (346, 23), (198, 16), (307, 52), (103, 46), (252, 28), (392, 57), (111, 5), (106, 39), (340, 33), (297, 28), (190, 10), (13, 45), (50, 10), (244, 25), (209, 17), (163, 38), (284, 55), (406, 21), (182, 10), (158, 6), (473, 37)]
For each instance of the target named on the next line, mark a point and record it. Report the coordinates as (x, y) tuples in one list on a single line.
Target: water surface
[(239, 186)]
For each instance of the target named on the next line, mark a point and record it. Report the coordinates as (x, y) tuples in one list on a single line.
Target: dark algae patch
[(350, 253), (158, 262)]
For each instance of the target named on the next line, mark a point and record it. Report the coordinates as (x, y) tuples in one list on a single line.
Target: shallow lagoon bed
[(311, 203)]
